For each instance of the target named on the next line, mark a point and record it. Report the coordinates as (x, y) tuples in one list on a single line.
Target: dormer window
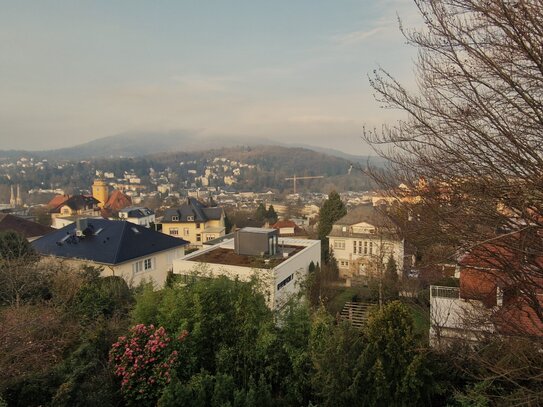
[(175, 218), (190, 218)]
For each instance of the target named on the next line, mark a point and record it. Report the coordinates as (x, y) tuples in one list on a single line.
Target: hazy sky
[(297, 70)]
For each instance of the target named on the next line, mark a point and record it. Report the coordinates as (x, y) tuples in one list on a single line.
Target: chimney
[(81, 224)]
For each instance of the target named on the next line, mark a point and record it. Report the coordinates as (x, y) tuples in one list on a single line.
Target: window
[(344, 263), (198, 237), (339, 244), (371, 248), (197, 226), (210, 237), (143, 265), (174, 231), (354, 246), (285, 282), (365, 247), (190, 218), (186, 232), (175, 218)]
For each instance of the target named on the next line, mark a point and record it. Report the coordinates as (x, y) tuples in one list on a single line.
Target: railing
[(444, 292)]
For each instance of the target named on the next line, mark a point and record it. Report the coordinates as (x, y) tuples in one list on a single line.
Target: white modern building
[(281, 264)]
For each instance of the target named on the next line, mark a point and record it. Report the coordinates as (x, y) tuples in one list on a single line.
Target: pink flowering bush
[(144, 360)]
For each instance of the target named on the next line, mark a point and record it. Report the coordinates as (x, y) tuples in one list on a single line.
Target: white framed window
[(190, 218), (174, 231), (210, 237), (175, 218), (143, 265), (186, 231), (339, 244), (365, 247)]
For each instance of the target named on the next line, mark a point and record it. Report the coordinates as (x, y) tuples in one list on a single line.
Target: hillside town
[(205, 206)]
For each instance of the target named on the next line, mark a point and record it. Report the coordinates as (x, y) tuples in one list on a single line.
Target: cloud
[(319, 119), (356, 37), (203, 83)]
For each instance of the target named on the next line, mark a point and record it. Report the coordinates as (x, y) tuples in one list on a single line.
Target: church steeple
[(19, 199), (12, 200)]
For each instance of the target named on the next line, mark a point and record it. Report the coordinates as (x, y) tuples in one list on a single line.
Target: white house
[(282, 264), (121, 248), (363, 240), (138, 215)]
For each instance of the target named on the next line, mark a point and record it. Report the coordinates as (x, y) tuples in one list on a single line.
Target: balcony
[(437, 291)]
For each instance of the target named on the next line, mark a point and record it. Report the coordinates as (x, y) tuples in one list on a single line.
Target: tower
[(19, 199), (12, 197), (100, 192)]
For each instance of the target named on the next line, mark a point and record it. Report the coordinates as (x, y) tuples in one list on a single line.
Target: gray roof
[(105, 241), (137, 212), (78, 202), (368, 214), (192, 208)]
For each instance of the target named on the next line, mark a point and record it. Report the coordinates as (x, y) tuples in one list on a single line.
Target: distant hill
[(138, 144)]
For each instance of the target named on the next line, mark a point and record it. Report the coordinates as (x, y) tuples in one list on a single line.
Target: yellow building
[(100, 192), (194, 222)]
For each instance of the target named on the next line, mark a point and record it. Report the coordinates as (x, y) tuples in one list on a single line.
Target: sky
[(292, 70)]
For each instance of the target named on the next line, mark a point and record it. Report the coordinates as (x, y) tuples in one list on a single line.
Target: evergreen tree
[(261, 212), (332, 210), (390, 280), (271, 215), (389, 370)]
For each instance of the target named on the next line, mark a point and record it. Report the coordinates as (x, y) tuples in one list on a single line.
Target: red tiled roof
[(57, 200), (23, 226), (117, 201)]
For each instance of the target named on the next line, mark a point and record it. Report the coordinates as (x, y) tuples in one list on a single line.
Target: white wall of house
[(452, 317), (367, 249), (134, 271), (280, 283)]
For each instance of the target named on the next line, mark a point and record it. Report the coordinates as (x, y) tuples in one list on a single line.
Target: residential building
[(30, 230), (194, 221), (362, 242), (138, 215), (281, 264), (121, 248), (75, 205), (498, 294), (288, 228)]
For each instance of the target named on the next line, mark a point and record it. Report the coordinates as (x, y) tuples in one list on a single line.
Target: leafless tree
[(470, 152), (473, 132)]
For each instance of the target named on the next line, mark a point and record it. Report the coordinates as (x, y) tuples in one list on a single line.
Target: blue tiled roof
[(106, 241)]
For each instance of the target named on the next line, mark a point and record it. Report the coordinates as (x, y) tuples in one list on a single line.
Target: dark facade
[(256, 242)]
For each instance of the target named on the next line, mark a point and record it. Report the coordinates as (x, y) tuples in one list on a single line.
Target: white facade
[(138, 220), (359, 247), (453, 317), (280, 283), (151, 268)]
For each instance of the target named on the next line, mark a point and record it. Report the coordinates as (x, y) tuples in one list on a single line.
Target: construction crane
[(294, 178)]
